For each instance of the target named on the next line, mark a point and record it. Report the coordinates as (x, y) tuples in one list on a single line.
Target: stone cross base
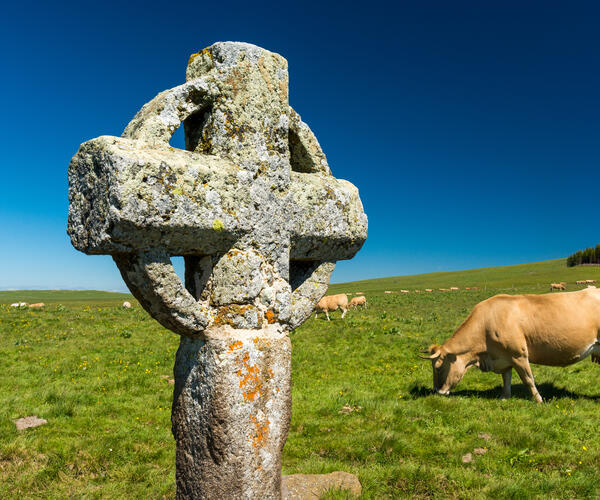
[(231, 413)]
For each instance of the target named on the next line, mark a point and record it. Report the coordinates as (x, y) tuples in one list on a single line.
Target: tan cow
[(39, 305), (429, 289), (590, 281), (454, 288), (580, 282), (404, 291), (331, 303), (358, 301), (510, 331), (557, 286)]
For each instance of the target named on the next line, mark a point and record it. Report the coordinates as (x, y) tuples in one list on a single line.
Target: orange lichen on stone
[(226, 315), (250, 381), (271, 317), (203, 51), (261, 432), (235, 346)]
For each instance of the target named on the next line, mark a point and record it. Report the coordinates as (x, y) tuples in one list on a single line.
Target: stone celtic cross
[(252, 207)]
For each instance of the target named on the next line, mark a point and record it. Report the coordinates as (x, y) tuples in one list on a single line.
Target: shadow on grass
[(547, 390)]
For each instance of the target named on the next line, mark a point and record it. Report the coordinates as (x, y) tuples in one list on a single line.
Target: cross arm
[(125, 196), (328, 221)]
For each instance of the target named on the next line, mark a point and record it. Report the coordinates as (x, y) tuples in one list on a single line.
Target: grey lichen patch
[(238, 278)]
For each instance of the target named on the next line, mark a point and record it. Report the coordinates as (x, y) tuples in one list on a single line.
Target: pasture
[(362, 399)]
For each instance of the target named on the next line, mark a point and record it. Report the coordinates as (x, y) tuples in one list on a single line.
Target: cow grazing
[(557, 286), (126, 305), (358, 301), (404, 291), (331, 303), (511, 331), (39, 305), (580, 282), (590, 281), (19, 304), (453, 288), (429, 289)]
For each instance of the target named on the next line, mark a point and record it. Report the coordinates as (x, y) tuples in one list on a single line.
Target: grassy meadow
[(362, 399)]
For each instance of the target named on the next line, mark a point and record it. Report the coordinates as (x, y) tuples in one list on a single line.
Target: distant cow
[(453, 288), (387, 291), (404, 291), (429, 289), (511, 331), (19, 304), (590, 281), (331, 303), (557, 286), (39, 305), (358, 301), (444, 289), (126, 305), (580, 282)]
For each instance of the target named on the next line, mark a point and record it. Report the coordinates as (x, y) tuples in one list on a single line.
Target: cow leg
[(343, 312), (327, 314), (524, 371), (506, 376)]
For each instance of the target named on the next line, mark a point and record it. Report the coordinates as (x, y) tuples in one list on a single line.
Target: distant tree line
[(587, 256)]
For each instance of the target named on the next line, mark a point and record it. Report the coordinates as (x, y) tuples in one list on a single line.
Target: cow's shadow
[(547, 390)]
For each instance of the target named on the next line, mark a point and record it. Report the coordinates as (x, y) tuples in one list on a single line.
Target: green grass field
[(362, 399)]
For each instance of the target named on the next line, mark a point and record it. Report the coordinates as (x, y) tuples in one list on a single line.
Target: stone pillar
[(231, 413)]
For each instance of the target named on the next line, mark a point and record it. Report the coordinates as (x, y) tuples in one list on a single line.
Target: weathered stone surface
[(231, 406), (314, 486), (253, 208), (27, 422)]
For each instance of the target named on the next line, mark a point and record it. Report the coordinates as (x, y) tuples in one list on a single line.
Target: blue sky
[(470, 128)]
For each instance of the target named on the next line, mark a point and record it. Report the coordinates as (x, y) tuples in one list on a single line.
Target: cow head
[(448, 368)]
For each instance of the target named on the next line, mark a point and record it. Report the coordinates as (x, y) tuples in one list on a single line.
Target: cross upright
[(252, 207)]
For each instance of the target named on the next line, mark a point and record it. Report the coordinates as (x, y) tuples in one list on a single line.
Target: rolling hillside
[(535, 275)]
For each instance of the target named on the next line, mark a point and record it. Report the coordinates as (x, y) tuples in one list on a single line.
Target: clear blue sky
[(470, 128)]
